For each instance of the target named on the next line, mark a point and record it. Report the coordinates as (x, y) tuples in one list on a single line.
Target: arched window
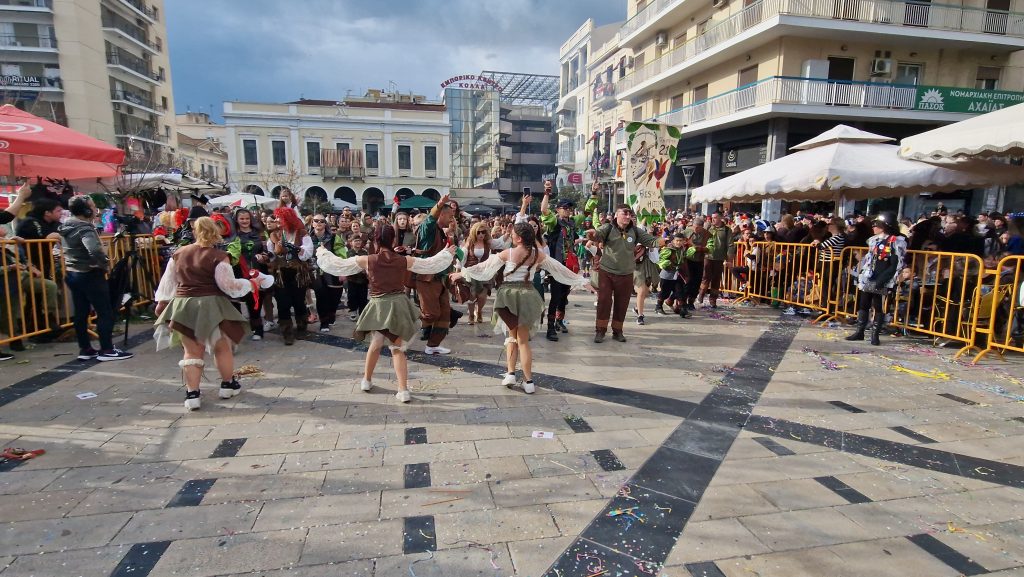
[(253, 189), (432, 194), (373, 200), (404, 193), (316, 193), (276, 191), (345, 193)]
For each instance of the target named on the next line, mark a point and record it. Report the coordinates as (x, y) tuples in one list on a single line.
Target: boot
[(875, 330), (424, 333), (301, 326), (552, 334), (560, 325), (660, 307), (288, 332), (862, 323), (453, 318)]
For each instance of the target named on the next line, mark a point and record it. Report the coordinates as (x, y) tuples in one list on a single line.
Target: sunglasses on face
[(319, 220)]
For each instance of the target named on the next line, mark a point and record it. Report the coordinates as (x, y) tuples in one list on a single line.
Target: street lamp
[(687, 175)]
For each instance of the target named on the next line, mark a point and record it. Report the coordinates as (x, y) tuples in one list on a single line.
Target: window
[(638, 61), (404, 157), (747, 76), (679, 40), (249, 152), (371, 157), (313, 154), (988, 78), (280, 156), (907, 74), (342, 146), (163, 103), (638, 113), (678, 101), (430, 158), (700, 93)]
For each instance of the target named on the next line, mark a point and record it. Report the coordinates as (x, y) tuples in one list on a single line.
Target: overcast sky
[(276, 51)]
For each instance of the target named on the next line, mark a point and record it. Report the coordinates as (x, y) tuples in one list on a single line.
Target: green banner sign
[(964, 100)]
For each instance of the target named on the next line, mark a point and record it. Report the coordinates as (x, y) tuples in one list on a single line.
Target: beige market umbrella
[(997, 133), (851, 164)]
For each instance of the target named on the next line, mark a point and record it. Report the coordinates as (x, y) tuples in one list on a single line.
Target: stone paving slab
[(303, 475)]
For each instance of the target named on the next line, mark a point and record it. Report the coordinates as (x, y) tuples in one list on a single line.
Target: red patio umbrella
[(31, 146)]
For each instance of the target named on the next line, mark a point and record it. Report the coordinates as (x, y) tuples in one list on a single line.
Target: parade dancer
[(478, 249), (195, 311), (432, 289), (292, 250), (673, 275), (518, 304), (561, 230), (389, 313), (618, 241), (879, 268)]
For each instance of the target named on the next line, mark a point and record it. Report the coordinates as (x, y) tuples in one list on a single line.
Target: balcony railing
[(110, 20), (140, 133), (604, 92), (133, 98), (133, 63), (141, 7), (28, 3), (566, 153), (566, 122), (885, 12), (645, 15), (27, 41), (845, 95), (342, 163)]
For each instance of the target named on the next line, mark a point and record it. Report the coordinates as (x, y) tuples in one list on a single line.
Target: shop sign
[(575, 178), (964, 100), (740, 159), (471, 82), (21, 81)]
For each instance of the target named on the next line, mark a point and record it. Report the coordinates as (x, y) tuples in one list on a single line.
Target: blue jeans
[(90, 290)]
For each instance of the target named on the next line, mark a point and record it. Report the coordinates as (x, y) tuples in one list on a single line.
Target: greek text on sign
[(471, 82), (652, 151)]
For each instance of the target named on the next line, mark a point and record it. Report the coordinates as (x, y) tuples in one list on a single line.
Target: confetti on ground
[(722, 317), (449, 370), (249, 371), (724, 369), (932, 374), (829, 365)]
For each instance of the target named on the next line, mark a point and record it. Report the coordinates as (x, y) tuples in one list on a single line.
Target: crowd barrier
[(34, 299), (999, 314)]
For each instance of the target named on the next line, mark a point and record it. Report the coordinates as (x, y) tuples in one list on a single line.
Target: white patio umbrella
[(851, 164), (243, 199), (997, 133)]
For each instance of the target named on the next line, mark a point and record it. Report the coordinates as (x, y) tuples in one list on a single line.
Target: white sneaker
[(365, 386), (403, 396), (789, 311), (269, 325), (256, 338), (438, 350), (509, 380), (528, 387), (192, 401)]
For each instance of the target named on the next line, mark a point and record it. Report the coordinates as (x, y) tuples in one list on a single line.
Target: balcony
[(28, 43), (120, 27), (604, 95), (342, 164), (860, 19), (139, 7), (566, 156), (643, 21), (133, 65), (621, 139), (505, 152), (26, 5), (128, 98), (820, 98), (566, 125), (143, 134)]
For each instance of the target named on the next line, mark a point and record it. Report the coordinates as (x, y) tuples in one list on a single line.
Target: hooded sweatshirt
[(83, 251)]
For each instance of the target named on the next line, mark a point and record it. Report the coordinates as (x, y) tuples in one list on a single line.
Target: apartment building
[(98, 66), (362, 151), (747, 79), (201, 147)]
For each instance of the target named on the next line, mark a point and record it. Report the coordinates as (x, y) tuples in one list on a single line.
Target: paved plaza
[(741, 443)]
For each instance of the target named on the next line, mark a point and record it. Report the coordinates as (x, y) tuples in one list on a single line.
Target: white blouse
[(486, 270), (333, 264), (224, 275)]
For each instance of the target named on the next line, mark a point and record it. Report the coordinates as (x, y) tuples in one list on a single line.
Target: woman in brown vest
[(195, 310), (390, 314), (478, 249)]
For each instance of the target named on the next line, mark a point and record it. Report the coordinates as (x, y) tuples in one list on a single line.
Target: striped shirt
[(830, 248)]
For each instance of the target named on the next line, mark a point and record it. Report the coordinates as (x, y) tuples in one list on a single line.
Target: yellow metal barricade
[(937, 295), (732, 283), (788, 274), (146, 266), (841, 291), (1000, 312)]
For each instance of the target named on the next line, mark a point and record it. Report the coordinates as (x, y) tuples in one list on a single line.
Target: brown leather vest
[(471, 258), (195, 265), (386, 271)]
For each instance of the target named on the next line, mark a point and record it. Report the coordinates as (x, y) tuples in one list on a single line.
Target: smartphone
[(526, 191)]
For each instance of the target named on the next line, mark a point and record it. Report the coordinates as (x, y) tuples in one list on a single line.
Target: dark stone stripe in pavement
[(417, 475), (416, 436), (578, 424), (642, 523), (704, 569), (958, 399), (607, 460), (1000, 473), (191, 493), (40, 381), (913, 434), (227, 448), (846, 406), (914, 455), (774, 446), (843, 490), (140, 559), (948, 555), (419, 535)]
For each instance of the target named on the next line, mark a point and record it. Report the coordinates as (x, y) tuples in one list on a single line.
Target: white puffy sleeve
[(521, 217), (433, 265), (486, 270), (331, 263), (168, 283), (562, 274), (235, 288), (501, 243), (306, 252)]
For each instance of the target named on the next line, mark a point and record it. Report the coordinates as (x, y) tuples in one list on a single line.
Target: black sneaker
[(113, 355), (192, 400), (87, 354), (598, 337), (230, 388), (17, 346), (5, 356), (691, 307), (640, 320)]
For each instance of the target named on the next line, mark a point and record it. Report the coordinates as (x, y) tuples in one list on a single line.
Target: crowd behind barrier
[(952, 297)]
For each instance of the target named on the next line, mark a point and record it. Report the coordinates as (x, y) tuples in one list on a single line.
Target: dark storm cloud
[(274, 50)]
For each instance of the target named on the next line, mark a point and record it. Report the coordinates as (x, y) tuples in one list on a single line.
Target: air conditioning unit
[(629, 62), (881, 67), (719, 3), (117, 107), (661, 39)]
